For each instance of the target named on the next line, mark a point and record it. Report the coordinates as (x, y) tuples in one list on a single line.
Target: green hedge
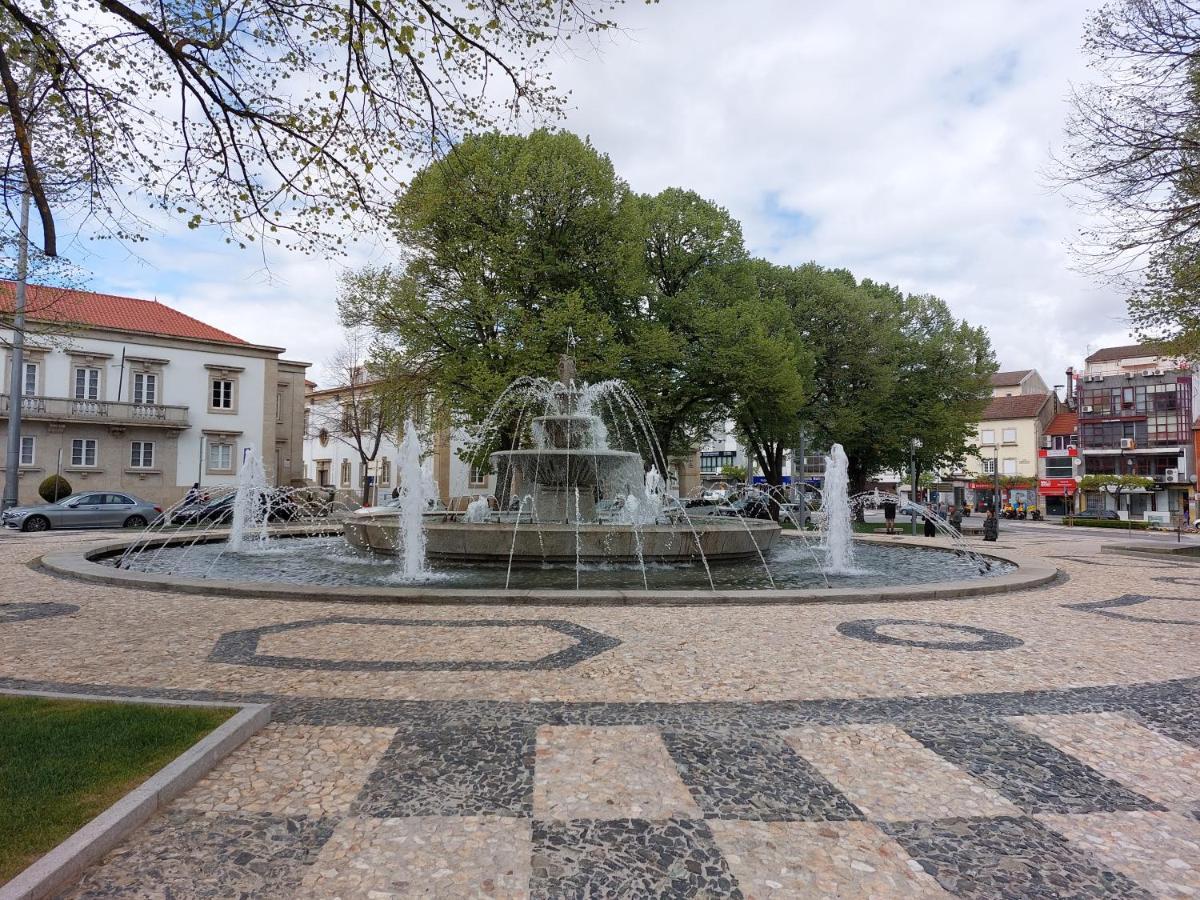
[(1109, 523)]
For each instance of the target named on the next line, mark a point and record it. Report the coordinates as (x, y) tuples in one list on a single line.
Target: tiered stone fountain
[(562, 480)]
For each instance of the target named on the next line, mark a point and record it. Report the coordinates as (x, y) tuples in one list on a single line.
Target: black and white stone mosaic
[(1033, 774), (869, 630), (452, 772), (188, 854), (241, 647), (1107, 608), (24, 612), (758, 777), (1008, 858), (586, 858)]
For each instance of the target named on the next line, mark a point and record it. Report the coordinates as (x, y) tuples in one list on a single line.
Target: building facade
[(1136, 408), (1061, 464), (132, 395)]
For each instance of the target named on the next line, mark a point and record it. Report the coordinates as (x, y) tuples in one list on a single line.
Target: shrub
[(54, 488), (1108, 523)]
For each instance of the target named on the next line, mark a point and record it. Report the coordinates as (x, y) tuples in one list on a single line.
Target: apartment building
[(1061, 464), (133, 395), (1009, 436), (1136, 408)]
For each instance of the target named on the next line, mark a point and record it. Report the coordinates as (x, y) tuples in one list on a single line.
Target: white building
[(135, 396), (332, 458)]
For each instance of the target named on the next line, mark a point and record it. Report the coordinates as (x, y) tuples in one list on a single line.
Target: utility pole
[(12, 463), (798, 480), (912, 461), (996, 485)]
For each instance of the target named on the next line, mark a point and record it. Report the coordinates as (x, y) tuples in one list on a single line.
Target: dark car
[(753, 505), (278, 505), (1097, 514)]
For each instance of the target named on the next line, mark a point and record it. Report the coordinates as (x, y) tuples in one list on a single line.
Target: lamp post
[(912, 460), (996, 485)]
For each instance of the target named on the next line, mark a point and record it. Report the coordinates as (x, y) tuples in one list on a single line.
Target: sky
[(909, 143)]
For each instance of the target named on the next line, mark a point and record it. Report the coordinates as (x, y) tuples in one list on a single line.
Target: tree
[(273, 119), (361, 411), (1133, 152), (513, 243)]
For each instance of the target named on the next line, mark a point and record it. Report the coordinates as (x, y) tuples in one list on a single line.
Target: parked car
[(86, 509), (219, 511), (1097, 514)]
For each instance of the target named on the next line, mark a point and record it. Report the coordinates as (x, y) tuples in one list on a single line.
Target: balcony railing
[(109, 412)]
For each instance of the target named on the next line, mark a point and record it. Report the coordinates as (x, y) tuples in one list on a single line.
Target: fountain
[(575, 498), (250, 511), (837, 532)]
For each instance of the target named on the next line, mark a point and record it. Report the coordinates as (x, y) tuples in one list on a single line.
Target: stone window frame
[(326, 466), (146, 365), (142, 466), (84, 464), (214, 438), (83, 359), (477, 476), (231, 374), (32, 438), (1004, 435), (385, 471), (345, 473), (983, 436), (30, 356)]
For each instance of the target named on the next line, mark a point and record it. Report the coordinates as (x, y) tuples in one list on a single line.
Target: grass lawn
[(64, 761)]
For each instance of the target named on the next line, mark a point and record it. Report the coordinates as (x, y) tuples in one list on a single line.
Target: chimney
[(1070, 387)]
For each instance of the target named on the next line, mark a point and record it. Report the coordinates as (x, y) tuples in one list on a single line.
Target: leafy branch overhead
[(286, 120)]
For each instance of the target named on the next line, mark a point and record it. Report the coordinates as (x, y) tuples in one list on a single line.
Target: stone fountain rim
[(82, 565)]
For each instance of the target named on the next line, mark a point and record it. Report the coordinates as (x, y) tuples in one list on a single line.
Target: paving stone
[(190, 854), (1033, 774), (820, 859), (439, 857), (452, 772), (1008, 858), (1158, 850), (612, 772), (738, 776), (293, 770), (588, 858), (1156, 766), (890, 776)]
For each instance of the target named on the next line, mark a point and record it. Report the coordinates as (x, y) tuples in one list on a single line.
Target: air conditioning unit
[(1048, 442), (1148, 372), (1172, 476), (1157, 372), (1095, 378), (1129, 375), (1086, 409), (1128, 444)]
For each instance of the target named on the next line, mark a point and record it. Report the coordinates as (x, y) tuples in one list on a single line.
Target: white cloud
[(903, 142)]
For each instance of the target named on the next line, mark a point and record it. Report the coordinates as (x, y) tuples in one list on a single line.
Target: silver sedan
[(87, 509)]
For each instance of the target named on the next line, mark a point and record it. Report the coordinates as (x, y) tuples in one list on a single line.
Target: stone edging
[(65, 863), (1179, 553), (81, 565)]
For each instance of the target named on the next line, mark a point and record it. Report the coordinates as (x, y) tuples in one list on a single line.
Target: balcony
[(100, 412)]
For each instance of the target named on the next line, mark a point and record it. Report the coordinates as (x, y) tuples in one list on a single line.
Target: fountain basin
[(561, 543)]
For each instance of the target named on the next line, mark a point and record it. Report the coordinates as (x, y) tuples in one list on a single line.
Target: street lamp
[(912, 459)]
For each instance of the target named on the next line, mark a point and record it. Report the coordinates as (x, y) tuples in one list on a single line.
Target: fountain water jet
[(412, 503), (838, 533)]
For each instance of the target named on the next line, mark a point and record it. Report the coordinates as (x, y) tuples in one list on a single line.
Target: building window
[(478, 477), (141, 455), (28, 450), (323, 472), (145, 388), (1060, 467), (1009, 435), (220, 457), (715, 460), (29, 383), (1010, 466), (87, 383), (83, 452), (987, 436), (385, 471), (344, 475), (989, 467), (222, 393)]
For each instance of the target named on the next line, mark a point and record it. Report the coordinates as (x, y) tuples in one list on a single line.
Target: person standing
[(930, 528), (889, 515), (956, 518), (991, 527)]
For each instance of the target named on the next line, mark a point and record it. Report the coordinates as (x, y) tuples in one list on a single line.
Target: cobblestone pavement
[(1043, 743)]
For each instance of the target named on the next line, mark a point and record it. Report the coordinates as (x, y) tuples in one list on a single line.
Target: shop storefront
[(1058, 495)]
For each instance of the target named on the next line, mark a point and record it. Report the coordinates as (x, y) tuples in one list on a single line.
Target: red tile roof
[(70, 307), (1022, 406), (1064, 423), (1009, 379), (1108, 354)]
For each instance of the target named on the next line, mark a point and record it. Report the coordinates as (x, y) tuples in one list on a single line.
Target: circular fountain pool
[(331, 562)]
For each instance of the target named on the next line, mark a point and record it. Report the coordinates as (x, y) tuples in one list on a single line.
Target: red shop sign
[(1057, 486)]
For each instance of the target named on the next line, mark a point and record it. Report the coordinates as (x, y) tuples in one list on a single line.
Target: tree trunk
[(366, 482)]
